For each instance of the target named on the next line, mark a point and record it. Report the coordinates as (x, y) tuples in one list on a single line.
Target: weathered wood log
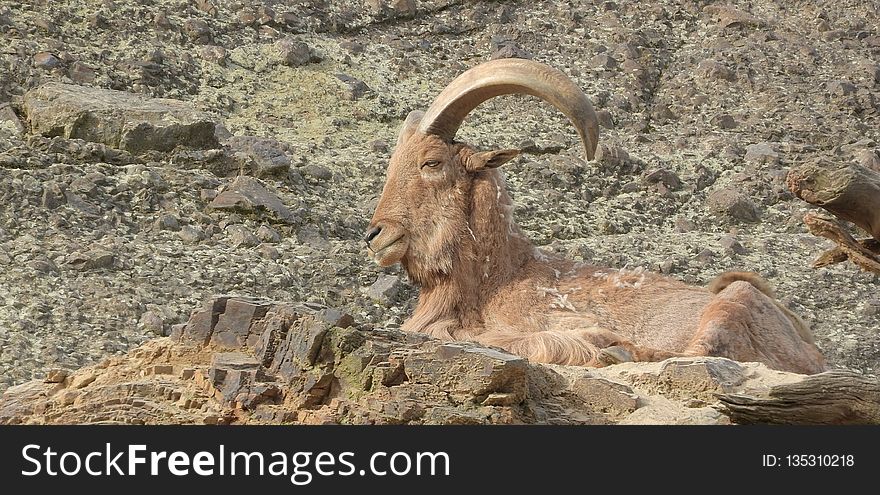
[(864, 253), (850, 192), (832, 397)]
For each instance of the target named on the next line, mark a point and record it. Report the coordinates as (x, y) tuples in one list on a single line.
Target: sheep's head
[(426, 202)]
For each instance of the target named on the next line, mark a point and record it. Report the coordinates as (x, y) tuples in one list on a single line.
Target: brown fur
[(446, 216), (722, 281)]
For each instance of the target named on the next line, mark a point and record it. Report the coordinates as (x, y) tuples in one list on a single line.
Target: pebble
[(761, 153), (731, 246), (191, 234), (46, 60), (267, 234), (355, 89), (294, 53), (81, 73), (316, 171), (241, 237), (214, 53), (197, 30), (168, 222)]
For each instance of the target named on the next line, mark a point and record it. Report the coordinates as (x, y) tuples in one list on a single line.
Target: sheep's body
[(502, 291), (446, 216)]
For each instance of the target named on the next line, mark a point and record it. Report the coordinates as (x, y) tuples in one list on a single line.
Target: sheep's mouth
[(391, 252)]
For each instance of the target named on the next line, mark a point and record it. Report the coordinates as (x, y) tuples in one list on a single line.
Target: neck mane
[(489, 252)]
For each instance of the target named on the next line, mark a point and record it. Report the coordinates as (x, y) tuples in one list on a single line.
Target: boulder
[(249, 195), (123, 120)]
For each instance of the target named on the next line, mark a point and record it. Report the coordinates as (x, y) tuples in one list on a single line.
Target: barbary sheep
[(446, 216)]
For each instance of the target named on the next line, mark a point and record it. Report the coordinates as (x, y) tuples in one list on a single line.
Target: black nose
[(372, 233)]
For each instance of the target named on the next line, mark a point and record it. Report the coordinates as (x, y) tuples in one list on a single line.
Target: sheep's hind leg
[(743, 324)]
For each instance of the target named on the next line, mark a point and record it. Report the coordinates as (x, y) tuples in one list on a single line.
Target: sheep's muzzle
[(386, 242)]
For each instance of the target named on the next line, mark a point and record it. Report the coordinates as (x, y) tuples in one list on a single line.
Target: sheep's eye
[(431, 164)]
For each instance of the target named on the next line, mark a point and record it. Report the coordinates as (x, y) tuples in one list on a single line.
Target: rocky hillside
[(154, 153)]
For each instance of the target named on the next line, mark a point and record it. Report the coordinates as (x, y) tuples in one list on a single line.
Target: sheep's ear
[(489, 159)]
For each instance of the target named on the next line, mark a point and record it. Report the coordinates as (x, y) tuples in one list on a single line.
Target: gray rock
[(379, 146), (197, 30), (355, 89), (683, 224), (870, 160), (294, 53), (214, 53), (352, 46), (761, 153), (723, 121), (53, 195), (268, 234), (394, 9), (712, 70), (152, 323), (234, 324), (208, 194), (269, 252), (603, 61), (268, 156), (732, 246), (116, 118), (732, 203), (8, 115), (615, 159), (77, 202), (705, 256), (318, 172), (385, 288), (841, 88), (605, 119), (81, 73), (206, 6), (84, 186), (93, 259), (503, 47), (168, 222), (311, 236), (191, 234), (403, 8), (241, 236), (43, 265), (667, 177), (248, 195), (46, 60)]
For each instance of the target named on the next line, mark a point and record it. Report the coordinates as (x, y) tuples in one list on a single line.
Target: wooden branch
[(832, 397), (837, 255), (865, 253), (850, 192)]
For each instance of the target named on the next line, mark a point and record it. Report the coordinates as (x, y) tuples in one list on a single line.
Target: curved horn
[(511, 76)]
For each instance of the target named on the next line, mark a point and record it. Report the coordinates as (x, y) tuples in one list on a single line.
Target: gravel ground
[(704, 106)]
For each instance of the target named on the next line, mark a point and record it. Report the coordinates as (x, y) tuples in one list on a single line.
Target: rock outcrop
[(117, 118), (249, 361)]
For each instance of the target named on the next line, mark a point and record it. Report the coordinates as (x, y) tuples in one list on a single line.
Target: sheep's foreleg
[(595, 347)]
